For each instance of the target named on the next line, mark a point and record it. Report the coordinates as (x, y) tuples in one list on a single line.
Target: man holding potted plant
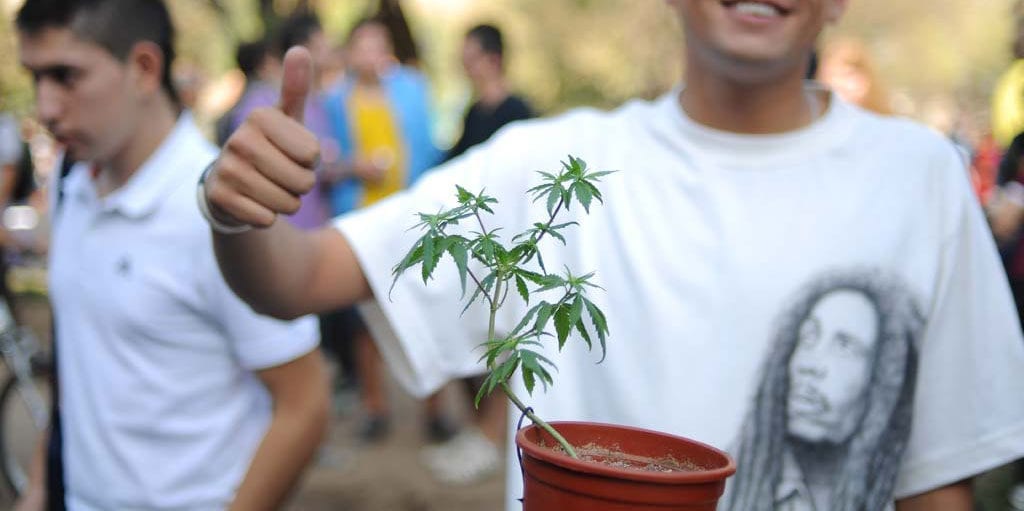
[(735, 193)]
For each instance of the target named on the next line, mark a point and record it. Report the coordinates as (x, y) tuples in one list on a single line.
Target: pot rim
[(601, 469)]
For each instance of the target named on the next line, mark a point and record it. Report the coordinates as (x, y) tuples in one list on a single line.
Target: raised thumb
[(296, 81)]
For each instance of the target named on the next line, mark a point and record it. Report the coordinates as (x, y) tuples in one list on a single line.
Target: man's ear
[(835, 9), (147, 61)]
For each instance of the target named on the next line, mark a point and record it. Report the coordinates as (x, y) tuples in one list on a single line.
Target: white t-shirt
[(160, 405), (758, 289)]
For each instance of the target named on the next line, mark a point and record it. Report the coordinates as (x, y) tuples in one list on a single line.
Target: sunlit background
[(939, 60)]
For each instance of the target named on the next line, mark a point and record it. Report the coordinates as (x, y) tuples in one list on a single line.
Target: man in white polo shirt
[(174, 394)]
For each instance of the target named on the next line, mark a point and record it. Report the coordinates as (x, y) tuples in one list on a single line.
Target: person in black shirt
[(483, 57)]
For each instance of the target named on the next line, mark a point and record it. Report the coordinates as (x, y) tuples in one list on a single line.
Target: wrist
[(219, 225)]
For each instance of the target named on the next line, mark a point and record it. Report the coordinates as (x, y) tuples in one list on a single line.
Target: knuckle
[(241, 143), (263, 220), (259, 116), (228, 171), (216, 195), (291, 206), (306, 181), (310, 150)]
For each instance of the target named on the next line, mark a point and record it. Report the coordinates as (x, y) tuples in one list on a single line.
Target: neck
[(144, 141), (745, 107), (491, 92)]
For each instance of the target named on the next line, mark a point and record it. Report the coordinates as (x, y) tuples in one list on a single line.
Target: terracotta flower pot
[(554, 481)]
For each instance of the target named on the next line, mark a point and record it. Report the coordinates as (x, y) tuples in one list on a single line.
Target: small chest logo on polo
[(124, 267)]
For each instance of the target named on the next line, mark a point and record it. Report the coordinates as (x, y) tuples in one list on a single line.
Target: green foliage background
[(600, 52)]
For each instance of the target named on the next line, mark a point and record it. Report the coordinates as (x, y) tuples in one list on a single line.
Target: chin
[(807, 432)]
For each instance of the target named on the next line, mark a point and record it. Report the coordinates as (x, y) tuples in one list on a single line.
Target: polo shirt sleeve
[(419, 327), (258, 342), (969, 404)]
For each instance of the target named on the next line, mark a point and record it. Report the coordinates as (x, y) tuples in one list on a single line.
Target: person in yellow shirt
[(380, 115)]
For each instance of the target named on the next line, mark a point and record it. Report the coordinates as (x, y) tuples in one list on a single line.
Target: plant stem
[(550, 221), (512, 395), (538, 421)]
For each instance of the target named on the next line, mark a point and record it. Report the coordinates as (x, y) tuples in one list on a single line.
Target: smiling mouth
[(756, 8)]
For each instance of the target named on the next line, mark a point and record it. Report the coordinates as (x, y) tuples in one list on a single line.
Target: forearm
[(955, 497), (268, 268), (286, 272), (34, 497), (287, 448)]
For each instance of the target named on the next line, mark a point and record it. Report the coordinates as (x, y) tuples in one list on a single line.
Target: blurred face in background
[(85, 96), (754, 40), (369, 51), (479, 64), (319, 49), (847, 68)]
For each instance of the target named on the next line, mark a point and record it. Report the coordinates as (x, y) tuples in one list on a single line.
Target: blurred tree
[(600, 52)]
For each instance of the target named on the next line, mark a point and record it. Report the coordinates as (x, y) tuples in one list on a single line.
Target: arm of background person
[(299, 390), (955, 497), (34, 498)]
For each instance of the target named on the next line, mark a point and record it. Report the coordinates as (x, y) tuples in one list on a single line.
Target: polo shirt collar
[(158, 176)]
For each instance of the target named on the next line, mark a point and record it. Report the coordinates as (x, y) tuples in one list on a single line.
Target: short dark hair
[(297, 31), (489, 38), (115, 25), (250, 56)]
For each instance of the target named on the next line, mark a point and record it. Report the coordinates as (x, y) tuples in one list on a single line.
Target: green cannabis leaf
[(506, 267)]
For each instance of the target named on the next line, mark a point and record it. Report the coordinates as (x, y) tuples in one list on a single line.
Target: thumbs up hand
[(268, 163)]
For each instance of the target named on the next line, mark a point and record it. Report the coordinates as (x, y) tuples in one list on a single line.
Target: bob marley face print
[(832, 411), (830, 367)]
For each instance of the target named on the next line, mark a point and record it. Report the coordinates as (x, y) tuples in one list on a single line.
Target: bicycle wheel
[(19, 434)]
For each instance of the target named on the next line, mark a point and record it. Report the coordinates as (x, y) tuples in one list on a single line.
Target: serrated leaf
[(534, 358), (543, 315), (584, 195), (576, 310), (549, 282), (553, 196), (536, 278), (562, 325), (505, 370), (521, 287), (458, 251), (414, 256), (485, 286), (582, 329), (596, 176), (528, 380), (600, 325), (463, 195), (527, 318), (485, 389), (428, 257)]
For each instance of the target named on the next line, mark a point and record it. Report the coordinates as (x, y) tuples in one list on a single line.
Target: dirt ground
[(389, 476)]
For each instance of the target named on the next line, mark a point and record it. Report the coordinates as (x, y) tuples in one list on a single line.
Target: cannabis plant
[(508, 265)]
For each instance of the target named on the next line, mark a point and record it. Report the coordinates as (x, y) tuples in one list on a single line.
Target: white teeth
[(756, 9)]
